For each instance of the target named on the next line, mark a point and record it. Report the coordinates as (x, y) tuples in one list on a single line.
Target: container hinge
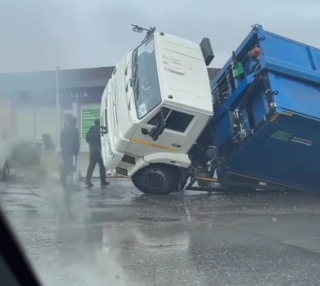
[(255, 27), (273, 105), (238, 126)]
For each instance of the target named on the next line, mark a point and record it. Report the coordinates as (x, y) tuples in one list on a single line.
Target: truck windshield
[(145, 80)]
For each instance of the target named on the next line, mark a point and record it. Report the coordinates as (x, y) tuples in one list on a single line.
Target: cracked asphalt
[(122, 237)]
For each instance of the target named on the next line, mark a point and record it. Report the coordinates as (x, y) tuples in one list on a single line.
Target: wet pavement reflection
[(120, 237)]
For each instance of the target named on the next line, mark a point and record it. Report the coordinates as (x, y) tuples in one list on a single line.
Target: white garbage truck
[(165, 125)]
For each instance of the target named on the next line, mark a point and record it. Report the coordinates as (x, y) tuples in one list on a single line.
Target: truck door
[(173, 138), (104, 124)]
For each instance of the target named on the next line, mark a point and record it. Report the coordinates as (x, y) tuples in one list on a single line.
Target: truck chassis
[(214, 186)]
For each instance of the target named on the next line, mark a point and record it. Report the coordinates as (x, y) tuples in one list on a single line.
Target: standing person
[(94, 141), (70, 145)]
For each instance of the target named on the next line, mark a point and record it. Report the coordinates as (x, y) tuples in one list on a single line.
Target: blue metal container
[(267, 117)]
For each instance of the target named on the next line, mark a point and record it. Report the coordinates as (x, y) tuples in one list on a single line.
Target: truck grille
[(122, 171), (129, 159)]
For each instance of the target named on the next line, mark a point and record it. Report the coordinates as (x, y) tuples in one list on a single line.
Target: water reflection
[(185, 239)]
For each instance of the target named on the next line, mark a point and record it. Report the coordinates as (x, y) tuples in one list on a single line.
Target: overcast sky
[(36, 34)]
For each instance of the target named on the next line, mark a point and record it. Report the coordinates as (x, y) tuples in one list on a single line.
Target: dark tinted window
[(175, 120)]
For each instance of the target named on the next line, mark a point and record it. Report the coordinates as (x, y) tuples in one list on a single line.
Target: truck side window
[(175, 120)]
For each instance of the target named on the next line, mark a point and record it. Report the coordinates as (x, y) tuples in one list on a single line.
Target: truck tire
[(157, 179)]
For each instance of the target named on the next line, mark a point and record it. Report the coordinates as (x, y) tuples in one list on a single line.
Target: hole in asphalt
[(161, 246), (161, 219)]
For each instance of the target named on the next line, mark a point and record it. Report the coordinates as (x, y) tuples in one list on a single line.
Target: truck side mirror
[(154, 134), (158, 130), (137, 29), (207, 51)]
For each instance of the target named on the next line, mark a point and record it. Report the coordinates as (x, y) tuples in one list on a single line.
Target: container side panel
[(288, 51), (285, 152), (295, 96), (258, 105), (222, 131)]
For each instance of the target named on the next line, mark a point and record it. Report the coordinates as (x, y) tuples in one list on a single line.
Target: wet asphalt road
[(125, 238)]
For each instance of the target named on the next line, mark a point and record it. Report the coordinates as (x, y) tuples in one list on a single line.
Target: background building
[(29, 105)]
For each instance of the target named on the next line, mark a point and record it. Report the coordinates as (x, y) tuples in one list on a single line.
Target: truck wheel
[(157, 179)]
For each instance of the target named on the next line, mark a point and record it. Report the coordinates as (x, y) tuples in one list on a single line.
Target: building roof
[(72, 78), (46, 80)]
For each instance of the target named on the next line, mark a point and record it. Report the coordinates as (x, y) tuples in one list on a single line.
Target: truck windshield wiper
[(136, 90), (135, 65), (135, 72)]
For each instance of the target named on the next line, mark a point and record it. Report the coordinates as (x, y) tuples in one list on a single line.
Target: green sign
[(88, 117), (281, 135)]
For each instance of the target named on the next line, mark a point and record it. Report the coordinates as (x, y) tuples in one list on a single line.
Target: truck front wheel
[(157, 179)]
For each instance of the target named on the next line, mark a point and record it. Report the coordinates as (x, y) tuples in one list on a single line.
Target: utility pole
[(57, 110)]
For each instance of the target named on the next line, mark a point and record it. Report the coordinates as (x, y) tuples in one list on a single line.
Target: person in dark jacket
[(94, 141), (70, 145)]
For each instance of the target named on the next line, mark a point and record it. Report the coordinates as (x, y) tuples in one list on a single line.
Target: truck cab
[(153, 109)]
